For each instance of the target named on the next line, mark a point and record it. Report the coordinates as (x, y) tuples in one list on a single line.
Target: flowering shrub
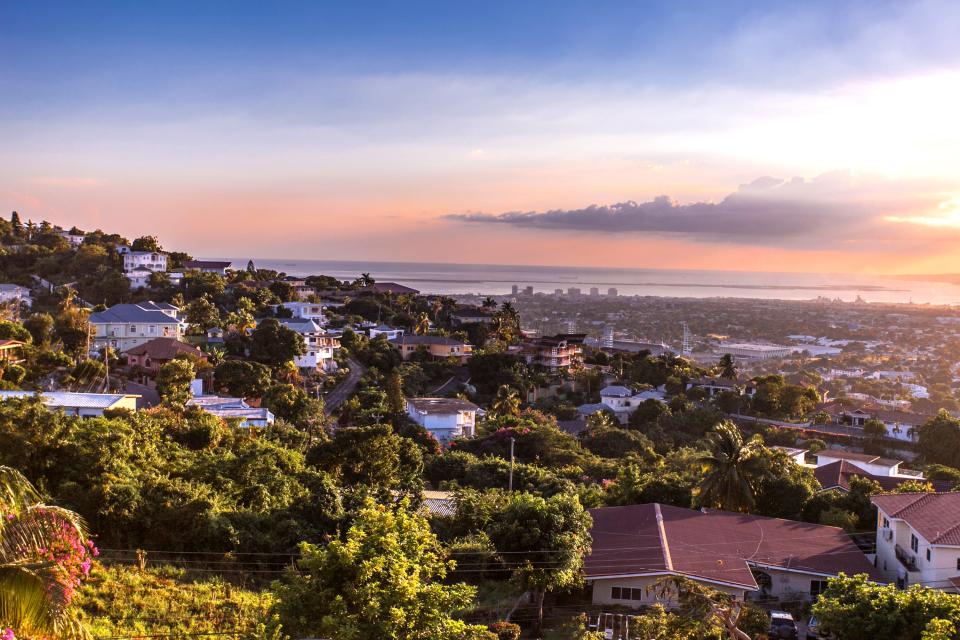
[(8, 635), (67, 554)]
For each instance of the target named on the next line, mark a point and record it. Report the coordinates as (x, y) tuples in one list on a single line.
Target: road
[(345, 389)]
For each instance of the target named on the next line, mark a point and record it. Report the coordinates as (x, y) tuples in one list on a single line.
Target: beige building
[(439, 347)]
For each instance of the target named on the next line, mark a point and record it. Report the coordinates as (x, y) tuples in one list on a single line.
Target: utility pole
[(510, 488)]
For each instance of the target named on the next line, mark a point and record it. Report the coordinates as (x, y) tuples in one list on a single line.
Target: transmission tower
[(685, 346)]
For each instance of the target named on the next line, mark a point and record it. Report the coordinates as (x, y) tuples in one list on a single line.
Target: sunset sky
[(802, 136)]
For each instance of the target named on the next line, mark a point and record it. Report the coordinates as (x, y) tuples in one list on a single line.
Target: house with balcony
[(388, 332), (555, 353), (918, 539), (437, 347), (320, 345), (152, 260), (900, 425), (304, 311), (125, 326), (14, 293), (445, 418), (715, 386), (153, 354), (745, 556)]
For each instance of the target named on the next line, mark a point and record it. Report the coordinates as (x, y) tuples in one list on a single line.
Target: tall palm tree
[(506, 402), (35, 589), (423, 325), (731, 468), (727, 367), (489, 303)]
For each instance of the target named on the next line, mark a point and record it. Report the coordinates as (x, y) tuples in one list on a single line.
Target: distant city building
[(594, 292), (612, 292), (528, 290), (573, 291), (515, 290), (558, 292), (754, 351), (608, 337)]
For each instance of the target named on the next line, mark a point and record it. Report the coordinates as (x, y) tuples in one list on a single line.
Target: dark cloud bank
[(766, 211)]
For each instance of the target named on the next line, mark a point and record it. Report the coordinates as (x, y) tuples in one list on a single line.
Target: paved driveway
[(345, 389)]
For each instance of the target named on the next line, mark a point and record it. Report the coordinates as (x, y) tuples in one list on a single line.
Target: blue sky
[(404, 117)]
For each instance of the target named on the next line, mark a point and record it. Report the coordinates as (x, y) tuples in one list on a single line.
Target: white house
[(14, 293), (444, 418), (320, 345), (305, 311), (875, 465), (139, 277), (623, 401), (918, 539), (84, 405), (152, 260), (383, 330), (714, 386), (233, 409), (124, 326), (743, 555)]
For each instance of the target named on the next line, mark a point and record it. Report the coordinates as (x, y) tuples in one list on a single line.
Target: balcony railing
[(908, 560)]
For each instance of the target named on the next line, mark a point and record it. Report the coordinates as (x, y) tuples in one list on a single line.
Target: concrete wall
[(602, 591)]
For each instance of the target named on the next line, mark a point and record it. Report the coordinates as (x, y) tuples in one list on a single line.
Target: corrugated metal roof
[(67, 399)]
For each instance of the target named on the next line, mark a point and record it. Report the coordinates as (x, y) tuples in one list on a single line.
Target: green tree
[(201, 314), (543, 542), (40, 326), (939, 440), (731, 469), (395, 398), (146, 243), (385, 579), (42, 554), (273, 344), (14, 331), (853, 608), (294, 405), (173, 382), (242, 378)]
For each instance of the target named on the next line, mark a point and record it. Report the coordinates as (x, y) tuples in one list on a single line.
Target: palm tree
[(506, 402), (489, 303), (731, 468), (35, 588), (423, 325), (727, 367)]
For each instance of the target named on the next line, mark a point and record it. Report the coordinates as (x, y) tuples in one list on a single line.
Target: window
[(886, 523), (928, 554), (914, 543), (958, 564), (133, 328), (817, 587), (626, 593)]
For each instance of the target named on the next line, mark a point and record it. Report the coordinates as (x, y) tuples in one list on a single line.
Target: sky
[(813, 136)]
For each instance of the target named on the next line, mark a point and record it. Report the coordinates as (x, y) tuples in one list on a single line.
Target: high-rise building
[(612, 292), (573, 291), (594, 292), (515, 290), (528, 290), (558, 292), (608, 337)]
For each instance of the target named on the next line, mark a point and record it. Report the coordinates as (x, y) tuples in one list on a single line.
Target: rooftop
[(441, 405), (165, 349), (864, 458), (206, 264), (616, 391), (405, 339), (149, 311), (718, 546), (70, 399), (935, 516)]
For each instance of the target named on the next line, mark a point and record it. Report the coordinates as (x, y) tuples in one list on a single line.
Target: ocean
[(499, 279)]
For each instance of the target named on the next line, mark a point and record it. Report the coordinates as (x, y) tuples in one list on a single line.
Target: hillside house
[(918, 539), (445, 418), (153, 354), (83, 405), (745, 556), (124, 326), (438, 347)]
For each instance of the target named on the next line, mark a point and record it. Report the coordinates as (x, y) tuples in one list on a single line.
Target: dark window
[(636, 594), (615, 593), (958, 564), (817, 587), (914, 543), (886, 523), (928, 554)]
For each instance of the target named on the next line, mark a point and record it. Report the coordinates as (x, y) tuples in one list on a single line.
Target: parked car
[(783, 626), (814, 632)]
